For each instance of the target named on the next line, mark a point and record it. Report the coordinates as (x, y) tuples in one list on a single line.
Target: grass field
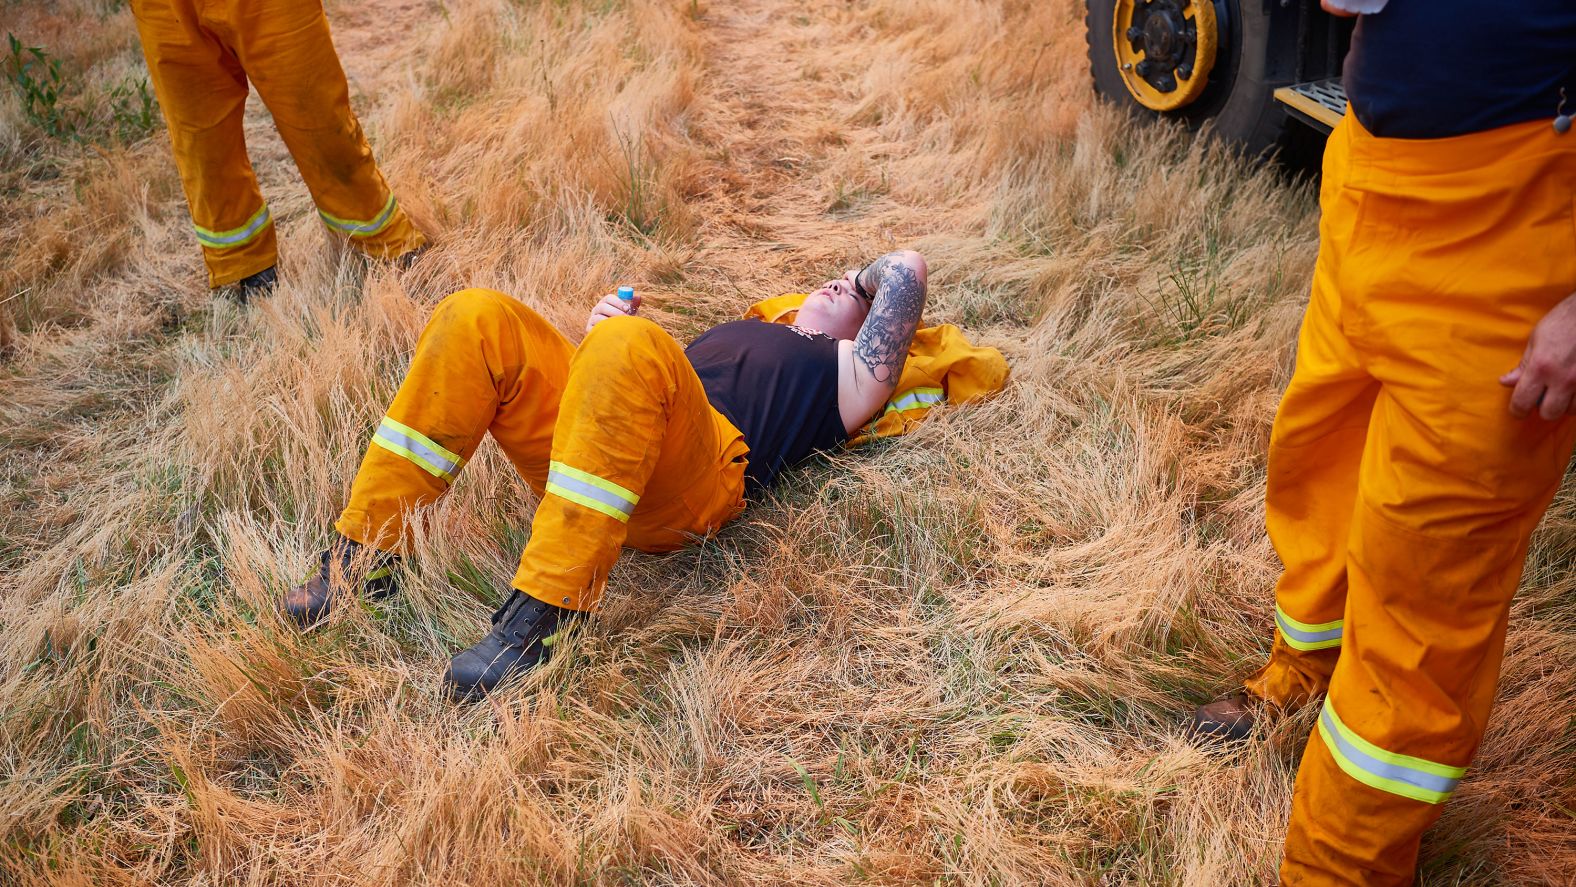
[(961, 657)]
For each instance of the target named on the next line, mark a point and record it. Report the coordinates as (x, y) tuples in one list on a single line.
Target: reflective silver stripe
[(355, 228), (595, 493), (1302, 636), (915, 399), (1409, 777), (912, 399), (418, 448), (234, 236)]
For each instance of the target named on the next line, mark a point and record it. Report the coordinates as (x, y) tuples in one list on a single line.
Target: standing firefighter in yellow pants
[(630, 439), (1405, 474), (201, 55)]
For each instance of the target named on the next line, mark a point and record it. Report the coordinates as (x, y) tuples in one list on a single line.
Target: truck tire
[(1238, 98)]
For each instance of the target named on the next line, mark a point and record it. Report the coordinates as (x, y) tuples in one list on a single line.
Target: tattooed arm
[(872, 363)]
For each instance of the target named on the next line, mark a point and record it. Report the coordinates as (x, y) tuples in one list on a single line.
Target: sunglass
[(860, 291)]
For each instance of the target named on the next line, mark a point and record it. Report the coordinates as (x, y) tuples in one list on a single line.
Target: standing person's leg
[(484, 362), (1459, 268), (1311, 476), (638, 455), (1315, 449), (285, 47), (202, 94)]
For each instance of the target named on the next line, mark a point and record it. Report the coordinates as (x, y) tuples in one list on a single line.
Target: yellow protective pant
[(201, 54), (1401, 493), (616, 436)]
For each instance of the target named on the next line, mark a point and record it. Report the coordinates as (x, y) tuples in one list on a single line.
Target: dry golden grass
[(958, 658)]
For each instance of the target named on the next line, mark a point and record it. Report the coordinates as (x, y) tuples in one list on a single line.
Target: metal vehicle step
[(1319, 103)]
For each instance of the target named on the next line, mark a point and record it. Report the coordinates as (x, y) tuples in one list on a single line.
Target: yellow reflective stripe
[(1307, 646), (592, 503), (1306, 636), (912, 399), (402, 440), (426, 441), (1404, 775), (622, 493), (362, 229), (595, 493), (916, 398), (1307, 626), (421, 463), (239, 236)]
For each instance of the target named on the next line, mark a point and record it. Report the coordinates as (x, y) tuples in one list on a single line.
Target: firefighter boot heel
[(344, 564)]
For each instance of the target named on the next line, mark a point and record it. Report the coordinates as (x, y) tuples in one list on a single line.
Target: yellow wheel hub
[(1165, 49)]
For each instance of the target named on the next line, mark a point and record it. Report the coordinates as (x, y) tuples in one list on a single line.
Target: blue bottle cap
[(627, 293)]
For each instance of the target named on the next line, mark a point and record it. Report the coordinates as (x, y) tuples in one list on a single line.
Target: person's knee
[(467, 308), (632, 347), (627, 334)]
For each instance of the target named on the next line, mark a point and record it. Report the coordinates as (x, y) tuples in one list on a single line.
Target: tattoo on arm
[(883, 340)]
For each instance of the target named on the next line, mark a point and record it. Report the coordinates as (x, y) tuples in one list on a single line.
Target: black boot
[(1225, 720), (523, 633), (256, 286), (341, 565)]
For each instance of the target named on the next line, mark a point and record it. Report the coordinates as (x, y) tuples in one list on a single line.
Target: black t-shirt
[(778, 385), (1429, 69)]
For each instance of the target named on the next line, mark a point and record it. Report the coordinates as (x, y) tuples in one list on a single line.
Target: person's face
[(835, 308)]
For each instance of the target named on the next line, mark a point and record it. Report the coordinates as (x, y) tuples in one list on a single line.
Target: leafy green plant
[(37, 79), (133, 110)]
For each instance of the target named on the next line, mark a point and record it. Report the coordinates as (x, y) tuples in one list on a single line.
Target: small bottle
[(626, 294)]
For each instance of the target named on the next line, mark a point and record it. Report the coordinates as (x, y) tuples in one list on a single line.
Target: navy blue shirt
[(1428, 69), (777, 384)]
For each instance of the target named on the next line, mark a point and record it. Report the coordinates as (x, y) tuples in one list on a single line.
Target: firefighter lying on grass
[(631, 439)]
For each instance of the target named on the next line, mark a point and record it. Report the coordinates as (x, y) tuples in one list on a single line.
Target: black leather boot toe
[(523, 633), (257, 286)]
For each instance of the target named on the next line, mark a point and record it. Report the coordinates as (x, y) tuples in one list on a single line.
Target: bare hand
[(612, 306), (1332, 9), (1546, 378)]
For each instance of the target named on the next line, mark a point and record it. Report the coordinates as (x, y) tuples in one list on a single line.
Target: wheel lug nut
[(1185, 71), (1135, 33)]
